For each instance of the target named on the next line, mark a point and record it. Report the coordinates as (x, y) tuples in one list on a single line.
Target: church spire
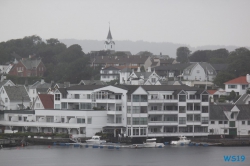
[(109, 37)]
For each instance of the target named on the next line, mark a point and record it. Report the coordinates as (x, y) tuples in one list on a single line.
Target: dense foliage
[(62, 63)]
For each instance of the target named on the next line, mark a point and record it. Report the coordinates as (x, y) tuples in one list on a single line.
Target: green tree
[(223, 77), (182, 54)]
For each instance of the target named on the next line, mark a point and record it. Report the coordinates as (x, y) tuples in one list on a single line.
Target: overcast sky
[(192, 22)]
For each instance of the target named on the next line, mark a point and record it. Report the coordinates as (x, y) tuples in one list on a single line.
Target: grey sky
[(192, 22)]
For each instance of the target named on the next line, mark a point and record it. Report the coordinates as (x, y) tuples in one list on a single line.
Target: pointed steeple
[(109, 37)]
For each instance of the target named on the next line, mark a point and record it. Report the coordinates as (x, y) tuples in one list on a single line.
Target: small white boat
[(95, 140), (182, 141), (151, 143)]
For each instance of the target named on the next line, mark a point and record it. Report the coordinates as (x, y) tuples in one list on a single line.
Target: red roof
[(211, 92), (239, 80), (47, 100)]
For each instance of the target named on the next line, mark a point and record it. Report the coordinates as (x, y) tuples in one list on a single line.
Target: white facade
[(199, 73), (109, 74), (239, 89), (80, 123)]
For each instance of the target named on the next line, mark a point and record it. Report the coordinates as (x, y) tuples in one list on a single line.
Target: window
[(171, 118), (128, 109), (232, 115), (49, 119), (232, 86), (189, 117), (225, 122), (154, 108), (136, 131), (204, 120), (204, 109), (167, 97), (244, 86), (212, 122), (64, 105), (20, 118), (182, 120), (153, 80), (129, 121), (118, 119), (77, 96), (220, 122), (243, 122), (117, 97), (248, 122), (225, 130), (118, 108), (57, 96), (182, 109), (191, 96), (182, 98), (6, 100), (197, 118), (85, 106), (57, 106), (232, 124), (88, 96), (89, 120), (80, 120), (197, 71), (143, 131)]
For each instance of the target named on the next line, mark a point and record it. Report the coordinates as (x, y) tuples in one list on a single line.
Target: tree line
[(237, 60), (62, 63)]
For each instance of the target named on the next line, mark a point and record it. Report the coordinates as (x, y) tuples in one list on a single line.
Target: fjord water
[(81, 156)]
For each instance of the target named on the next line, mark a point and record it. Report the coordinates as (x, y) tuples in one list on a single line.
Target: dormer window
[(232, 116)]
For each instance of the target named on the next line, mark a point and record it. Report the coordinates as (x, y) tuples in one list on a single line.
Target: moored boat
[(182, 141), (151, 143), (95, 140)]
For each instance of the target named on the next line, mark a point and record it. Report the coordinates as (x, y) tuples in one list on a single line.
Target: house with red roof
[(215, 94), (44, 101), (238, 85)]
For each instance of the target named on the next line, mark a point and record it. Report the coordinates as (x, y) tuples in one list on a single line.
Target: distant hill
[(166, 48)]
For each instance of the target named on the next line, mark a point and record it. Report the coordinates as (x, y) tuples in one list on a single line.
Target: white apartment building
[(137, 111)]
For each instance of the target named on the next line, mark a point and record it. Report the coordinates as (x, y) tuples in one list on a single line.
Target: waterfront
[(81, 156)]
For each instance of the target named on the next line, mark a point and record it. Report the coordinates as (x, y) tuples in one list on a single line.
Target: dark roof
[(47, 100), (111, 68), (30, 64), (85, 87), (217, 111), (244, 113), (178, 66), (166, 61), (242, 99), (92, 82), (17, 93), (109, 35), (220, 67), (124, 59)]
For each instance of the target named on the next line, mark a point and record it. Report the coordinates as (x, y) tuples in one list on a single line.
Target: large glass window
[(64, 105), (189, 117), (204, 109), (144, 98), (204, 120), (136, 98), (80, 120), (232, 86), (182, 98), (85, 106), (136, 131), (171, 118), (143, 131), (182, 120), (182, 109), (197, 117)]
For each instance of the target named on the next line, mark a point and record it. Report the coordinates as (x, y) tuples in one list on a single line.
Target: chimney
[(138, 69), (42, 81), (149, 69)]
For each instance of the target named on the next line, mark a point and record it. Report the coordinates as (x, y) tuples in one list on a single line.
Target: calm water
[(167, 156)]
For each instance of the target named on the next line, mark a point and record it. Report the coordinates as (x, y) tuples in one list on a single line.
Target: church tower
[(109, 44)]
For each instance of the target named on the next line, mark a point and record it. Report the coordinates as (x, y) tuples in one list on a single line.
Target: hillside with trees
[(62, 63), (237, 60)]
